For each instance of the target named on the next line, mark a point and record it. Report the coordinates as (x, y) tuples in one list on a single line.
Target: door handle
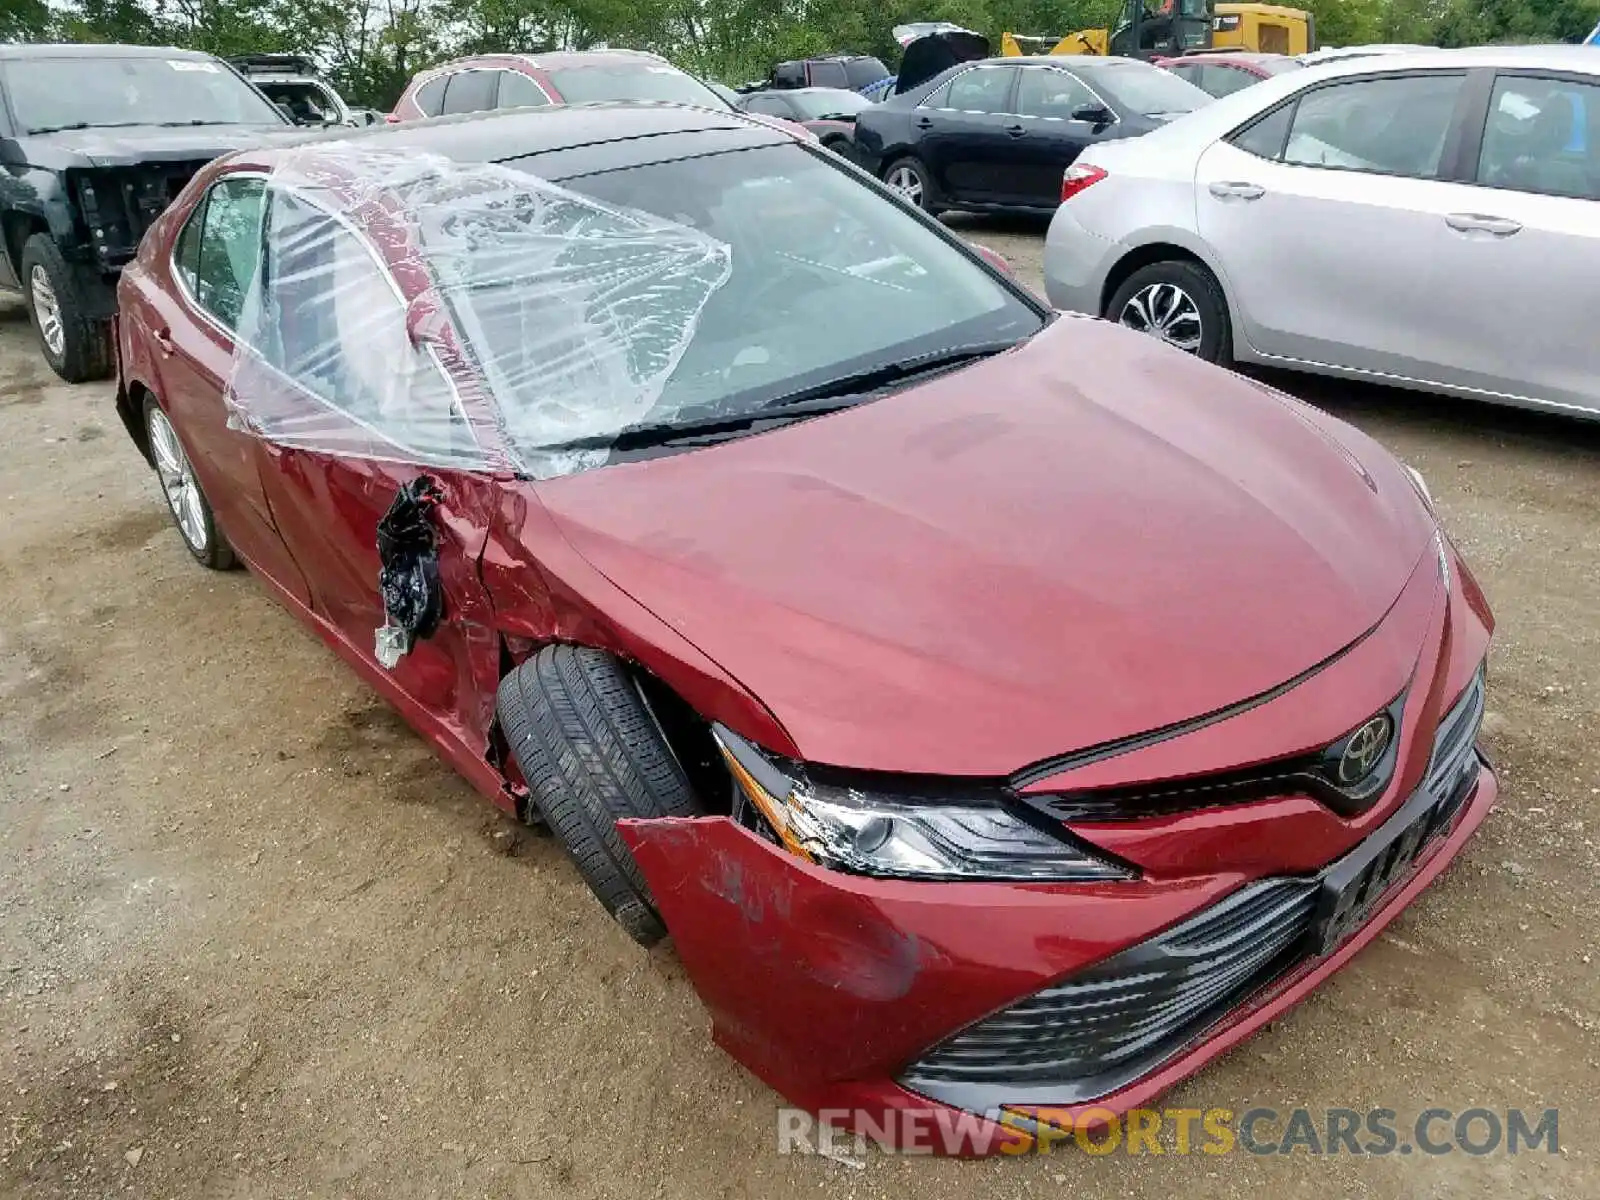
[(924, 122), (1237, 191), (1478, 223), (1015, 130), (163, 340)]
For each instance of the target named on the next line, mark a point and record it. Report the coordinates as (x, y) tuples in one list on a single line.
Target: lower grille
[(1118, 1020), (1102, 1028)]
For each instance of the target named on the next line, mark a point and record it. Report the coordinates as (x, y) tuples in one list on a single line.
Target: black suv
[(850, 71), (95, 141)]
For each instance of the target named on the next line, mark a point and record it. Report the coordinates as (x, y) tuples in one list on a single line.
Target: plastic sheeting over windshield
[(408, 308)]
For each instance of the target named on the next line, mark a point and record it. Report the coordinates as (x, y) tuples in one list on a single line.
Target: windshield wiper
[(882, 376), (87, 125), (671, 433), (831, 396)]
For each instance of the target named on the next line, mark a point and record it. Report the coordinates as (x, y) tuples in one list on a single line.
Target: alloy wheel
[(907, 182), (1166, 311), (47, 311), (178, 481)]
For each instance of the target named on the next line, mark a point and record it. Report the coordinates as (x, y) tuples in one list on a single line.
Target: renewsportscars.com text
[(1214, 1131)]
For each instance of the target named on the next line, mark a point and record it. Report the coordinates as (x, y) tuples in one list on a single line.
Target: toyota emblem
[(1364, 749)]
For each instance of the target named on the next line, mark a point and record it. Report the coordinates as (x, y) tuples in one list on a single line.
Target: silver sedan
[(1427, 220)]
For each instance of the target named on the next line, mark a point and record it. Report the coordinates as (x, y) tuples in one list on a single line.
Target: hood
[(1089, 537), (933, 48), (131, 145)]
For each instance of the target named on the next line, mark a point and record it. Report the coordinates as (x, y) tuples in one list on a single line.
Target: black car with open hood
[(95, 142), (929, 48)]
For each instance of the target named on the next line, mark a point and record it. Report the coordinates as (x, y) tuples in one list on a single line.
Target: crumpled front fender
[(815, 979)]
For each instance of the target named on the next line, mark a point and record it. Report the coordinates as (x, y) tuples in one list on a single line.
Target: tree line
[(370, 48)]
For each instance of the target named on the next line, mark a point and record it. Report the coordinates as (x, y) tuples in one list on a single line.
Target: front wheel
[(1179, 302), (592, 754), (77, 346)]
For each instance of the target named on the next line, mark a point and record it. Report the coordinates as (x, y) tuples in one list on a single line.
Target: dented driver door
[(376, 472)]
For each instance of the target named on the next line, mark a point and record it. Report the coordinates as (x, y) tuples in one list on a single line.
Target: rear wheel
[(592, 754), (77, 347), (911, 179), (191, 512), (1179, 302)]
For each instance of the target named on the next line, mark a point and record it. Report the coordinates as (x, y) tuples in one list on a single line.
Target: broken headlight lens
[(902, 837)]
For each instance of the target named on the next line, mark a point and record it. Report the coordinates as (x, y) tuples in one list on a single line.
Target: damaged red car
[(1003, 713)]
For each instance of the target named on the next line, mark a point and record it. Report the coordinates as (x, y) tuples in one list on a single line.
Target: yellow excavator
[(1166, 28)]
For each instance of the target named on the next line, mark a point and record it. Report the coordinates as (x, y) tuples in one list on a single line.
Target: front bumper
[(828, 986)]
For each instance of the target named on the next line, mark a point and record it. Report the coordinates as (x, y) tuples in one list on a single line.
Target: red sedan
[(1222, 72), (1002, 712), (489, 81)]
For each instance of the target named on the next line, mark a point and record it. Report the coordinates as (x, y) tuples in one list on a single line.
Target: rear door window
[(1396, 125), (430, 96), (1542, 135), (227, 252), (470, 91), (519, 91), (1265, 136)]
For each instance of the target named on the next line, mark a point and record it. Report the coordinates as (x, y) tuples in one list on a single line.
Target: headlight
[(906, 836)]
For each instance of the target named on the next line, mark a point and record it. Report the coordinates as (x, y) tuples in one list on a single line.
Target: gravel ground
[(256, 941)]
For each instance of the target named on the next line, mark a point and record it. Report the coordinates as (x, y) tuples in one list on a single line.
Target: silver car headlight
[(903, 836)]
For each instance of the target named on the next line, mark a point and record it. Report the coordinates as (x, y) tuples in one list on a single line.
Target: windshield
[(768, 273), (830, 102), (1146, 90), (632, 81), (65, 93)]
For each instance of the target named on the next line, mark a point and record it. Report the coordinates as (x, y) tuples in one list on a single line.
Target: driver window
[(335, 324), (1046, 92), (981, 90), (1543, 135)]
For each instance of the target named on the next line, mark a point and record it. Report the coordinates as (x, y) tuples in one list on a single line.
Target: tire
[(186, 502), (1176, 294), (913, 175), (77, 347), (592, 753)]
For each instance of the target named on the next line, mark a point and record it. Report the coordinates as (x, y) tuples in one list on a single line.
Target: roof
[(558, 60), (812, 91), (1555, 57), (508, 134), (25, 50), (1229, 54)]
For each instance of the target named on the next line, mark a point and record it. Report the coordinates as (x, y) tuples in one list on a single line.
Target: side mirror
[(1094, 114)]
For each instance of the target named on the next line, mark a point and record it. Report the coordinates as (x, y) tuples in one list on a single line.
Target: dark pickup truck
[(95, 141)]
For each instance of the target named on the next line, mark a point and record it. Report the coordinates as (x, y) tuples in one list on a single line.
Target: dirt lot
[(255, 941)]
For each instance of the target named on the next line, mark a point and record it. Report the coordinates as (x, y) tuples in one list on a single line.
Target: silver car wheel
[(47, 311), (1166, 311), (177, 481), (907, 182)]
